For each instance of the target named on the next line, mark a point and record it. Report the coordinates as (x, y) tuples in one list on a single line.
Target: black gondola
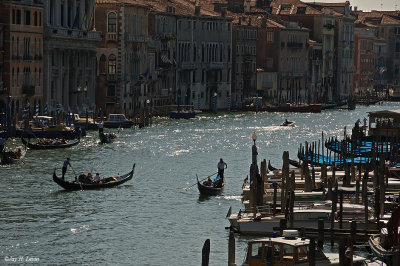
[(270, 167), (294, 163), (10, 157), (53, 145), (209, 191), (107, 137), (104, 183)]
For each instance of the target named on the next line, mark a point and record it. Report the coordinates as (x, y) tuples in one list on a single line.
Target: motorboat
[(118, 120)]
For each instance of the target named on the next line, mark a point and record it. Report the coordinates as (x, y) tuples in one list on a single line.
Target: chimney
[(355, 9), (197, 10), (240, 20), (249, 21), (223, 12)]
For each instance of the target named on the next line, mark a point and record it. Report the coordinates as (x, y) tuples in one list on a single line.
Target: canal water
[(151, 220)]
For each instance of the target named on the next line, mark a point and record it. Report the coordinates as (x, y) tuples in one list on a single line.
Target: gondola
[(107, 137), (294, 163), (209, 191), (10, 157), (287, 124), (38, 146), (104, 183), (270, 167)]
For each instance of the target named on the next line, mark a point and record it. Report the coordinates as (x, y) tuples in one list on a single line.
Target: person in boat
[(286, 122), (221, 167), (89, 178), (64, 168), (365, 122), (96, 178), (208, 182)]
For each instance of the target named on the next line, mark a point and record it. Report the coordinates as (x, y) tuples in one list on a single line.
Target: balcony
[(188, 65), (28, 90), (111, 36), (294, 45), (137, 38), (27, 58), (215, 65), (329, 26), (65, 33), (38, 57)]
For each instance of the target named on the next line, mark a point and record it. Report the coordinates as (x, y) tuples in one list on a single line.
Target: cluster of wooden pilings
[(371, 173)]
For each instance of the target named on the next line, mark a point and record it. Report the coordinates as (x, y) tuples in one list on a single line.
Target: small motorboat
[(209, 189), (118, 120), (103, 183), (10, 157), (287, 123), (50, 144)]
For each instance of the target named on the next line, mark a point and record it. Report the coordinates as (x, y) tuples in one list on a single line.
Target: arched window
[(112, 22), (102, 64), (112, 65)]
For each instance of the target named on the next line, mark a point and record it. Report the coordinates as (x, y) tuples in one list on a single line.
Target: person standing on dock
[(64, 168), (221, 167)]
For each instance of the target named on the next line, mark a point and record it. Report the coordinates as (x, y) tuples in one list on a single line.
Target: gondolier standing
[(64, 168), (221, 166), (101, 125)]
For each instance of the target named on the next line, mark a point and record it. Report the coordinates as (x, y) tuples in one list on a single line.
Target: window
[(35, 19), (40, 18), (27, 17), (18, 17), (111, 90), (13, 17), (112, 22), (102, 64), (112, 65)]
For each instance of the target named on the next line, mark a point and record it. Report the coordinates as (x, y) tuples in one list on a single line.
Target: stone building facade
[(69, 55), (244, 54), (22, 43), (124, 65)]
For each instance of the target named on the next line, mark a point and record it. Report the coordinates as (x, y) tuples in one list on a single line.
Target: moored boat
[(289, 249), (10, 157), (207, 190), (50, 144), (118, 120), (104, 183)]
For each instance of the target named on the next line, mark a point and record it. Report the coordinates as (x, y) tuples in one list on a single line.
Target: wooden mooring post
[(231, 249), (205, 253), (320, 233), (312, 252)]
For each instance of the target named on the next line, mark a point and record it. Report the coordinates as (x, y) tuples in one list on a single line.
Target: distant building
[(364, 58), (322, 26), (203, 55), (69, 55), (388, 29), (244, 54), (21, 59), (125, 67), (282, 47)]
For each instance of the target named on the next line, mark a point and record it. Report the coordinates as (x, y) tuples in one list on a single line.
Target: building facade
[(69, 55), (123, 56), (244, 67), (22, 43)]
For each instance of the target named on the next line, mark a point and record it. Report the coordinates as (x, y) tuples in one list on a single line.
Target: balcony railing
[(28, 90), (27, 58), (329, 26), (56, 32), (188, 65), (216, 65), (294, 45), (111, 36), (137, 38)]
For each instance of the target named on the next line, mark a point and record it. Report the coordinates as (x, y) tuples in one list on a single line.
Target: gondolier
[(64, 168), (101, 125), (221, 166)]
